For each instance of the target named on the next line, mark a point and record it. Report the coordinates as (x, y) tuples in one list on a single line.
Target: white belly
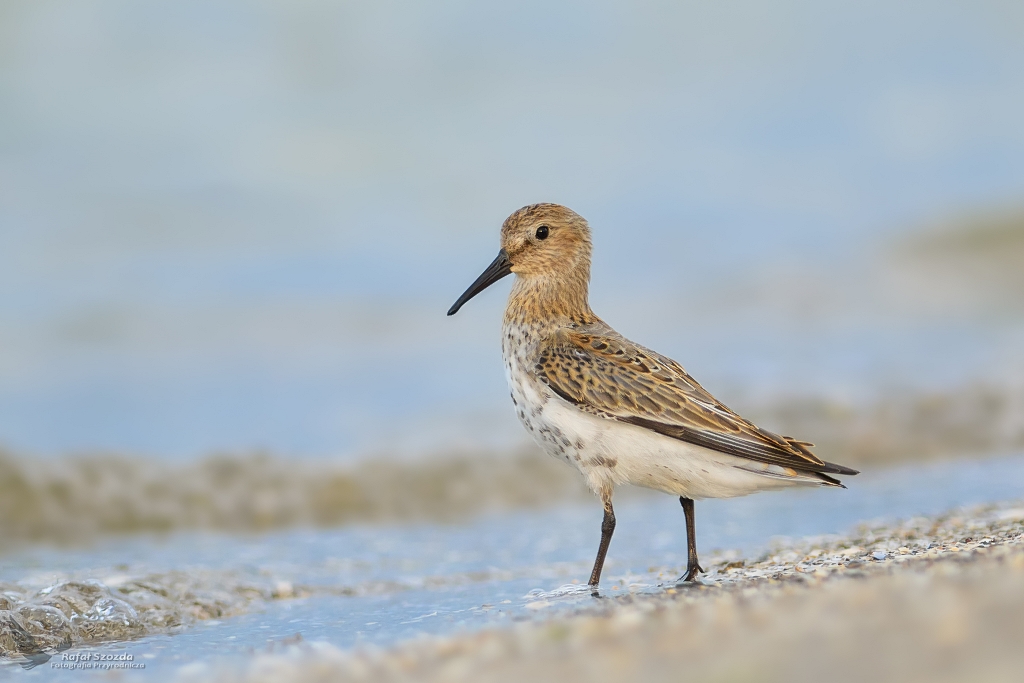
[(608, 452)]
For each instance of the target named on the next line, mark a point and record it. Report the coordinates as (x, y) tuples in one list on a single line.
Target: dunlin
[(618, 412)]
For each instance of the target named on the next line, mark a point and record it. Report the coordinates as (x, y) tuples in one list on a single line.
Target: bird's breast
[(529, 399), (560, 429), (529, 395)]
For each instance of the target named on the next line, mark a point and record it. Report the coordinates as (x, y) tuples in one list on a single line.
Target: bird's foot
[(691, 573)]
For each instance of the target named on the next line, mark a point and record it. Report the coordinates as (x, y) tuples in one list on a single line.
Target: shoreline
[(76, 499), (937, 598)]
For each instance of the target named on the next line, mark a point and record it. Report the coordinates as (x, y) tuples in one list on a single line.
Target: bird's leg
[(607, 528), (692, 565)]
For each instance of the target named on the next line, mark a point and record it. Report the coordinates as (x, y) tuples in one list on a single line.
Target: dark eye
[(542, 232)]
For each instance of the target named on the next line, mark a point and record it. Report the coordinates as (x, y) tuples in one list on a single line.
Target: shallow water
[(379, 585)]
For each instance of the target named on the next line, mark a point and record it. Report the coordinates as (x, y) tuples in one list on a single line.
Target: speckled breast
[(529, 395)]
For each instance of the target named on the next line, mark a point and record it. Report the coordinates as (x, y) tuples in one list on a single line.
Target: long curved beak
[(499, 268)]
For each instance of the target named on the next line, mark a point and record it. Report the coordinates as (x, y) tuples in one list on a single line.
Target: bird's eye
[(542, 232)]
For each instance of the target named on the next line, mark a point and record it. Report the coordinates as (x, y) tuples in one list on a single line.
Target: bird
[(618, 412)]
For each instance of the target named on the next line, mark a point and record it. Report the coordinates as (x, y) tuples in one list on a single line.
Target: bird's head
[(539, 242)]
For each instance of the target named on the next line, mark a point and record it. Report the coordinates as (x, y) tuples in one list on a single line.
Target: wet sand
[(78, 498), (212, 600), (933, 598)]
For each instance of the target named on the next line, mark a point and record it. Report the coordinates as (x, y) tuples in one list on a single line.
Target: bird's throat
[(549, 299)]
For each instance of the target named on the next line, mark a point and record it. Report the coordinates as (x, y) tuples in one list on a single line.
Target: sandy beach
[(932, 598), (930, 588)]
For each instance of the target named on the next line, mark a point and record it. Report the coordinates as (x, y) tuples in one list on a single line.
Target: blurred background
[(235, 227), (230, 231)]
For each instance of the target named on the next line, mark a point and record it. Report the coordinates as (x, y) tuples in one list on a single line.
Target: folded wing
[(605, 374)]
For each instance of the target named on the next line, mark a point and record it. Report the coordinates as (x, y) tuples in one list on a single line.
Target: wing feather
[(603, 373)]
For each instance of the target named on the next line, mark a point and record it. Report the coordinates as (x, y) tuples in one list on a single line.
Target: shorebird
[(618, 412)]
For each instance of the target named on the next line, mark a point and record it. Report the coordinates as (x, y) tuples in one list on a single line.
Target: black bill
[(499, 268)]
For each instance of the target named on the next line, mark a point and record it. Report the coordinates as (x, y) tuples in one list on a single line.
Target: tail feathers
[(829, 481), (792, 475)]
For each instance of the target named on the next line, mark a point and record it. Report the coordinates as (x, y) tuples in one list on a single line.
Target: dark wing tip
[(833, 468)]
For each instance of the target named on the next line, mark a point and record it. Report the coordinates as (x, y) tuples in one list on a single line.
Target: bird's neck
[(548, 299)]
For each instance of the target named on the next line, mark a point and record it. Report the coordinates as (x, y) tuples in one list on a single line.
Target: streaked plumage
[(617, 411)]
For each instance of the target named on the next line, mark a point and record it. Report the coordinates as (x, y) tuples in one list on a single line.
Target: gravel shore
[(936, 598)]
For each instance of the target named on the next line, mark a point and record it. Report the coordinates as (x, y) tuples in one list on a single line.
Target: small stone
[(878, 555)]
